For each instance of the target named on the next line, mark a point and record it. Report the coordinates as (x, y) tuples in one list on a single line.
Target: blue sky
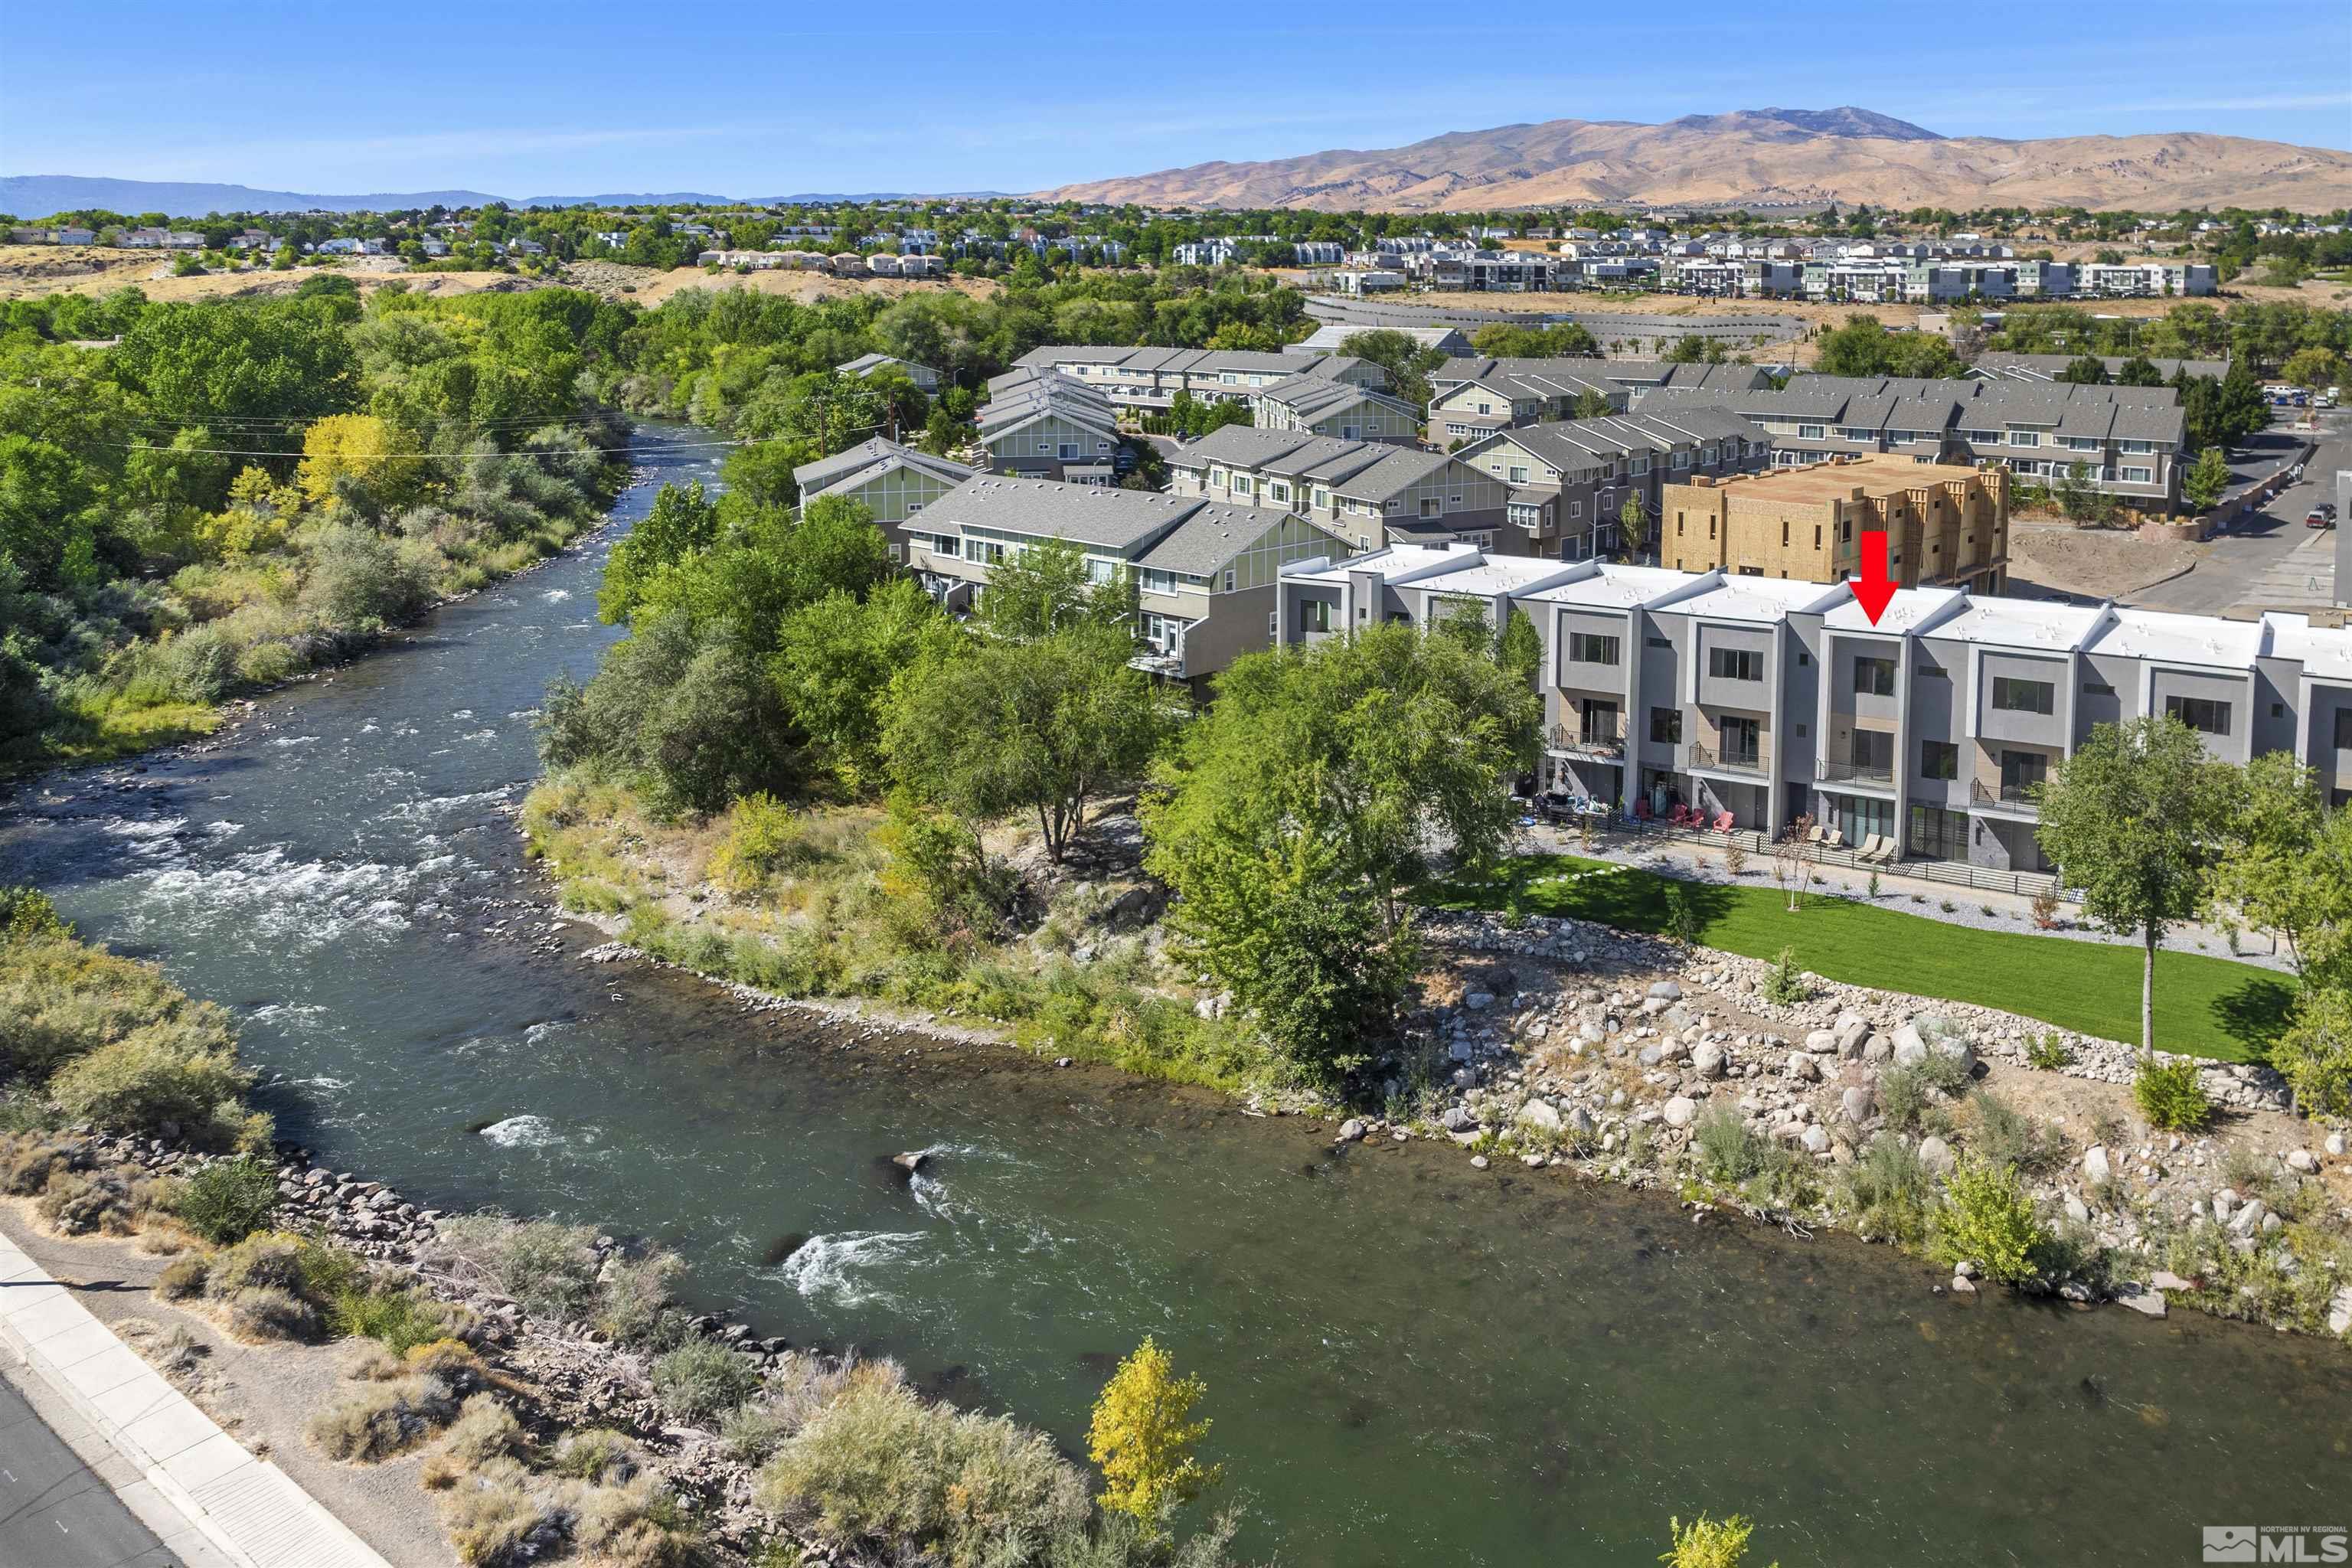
[(747, 99)]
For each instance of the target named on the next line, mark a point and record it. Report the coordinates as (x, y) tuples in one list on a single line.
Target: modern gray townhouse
[(1768, 699), (1370, 494), (1205, 574), (1475, 396), (1324, 405), (2126, 439), (1566, 484)]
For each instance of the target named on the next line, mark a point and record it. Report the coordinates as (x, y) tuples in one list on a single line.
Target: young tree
[(1045, 589), (2314, 368), (2084, 370), (839, 659), (1405, 358), (1143, 1436), (2315, 1055), (2135, 819), (2206, 479), (1589, 405), (1042, 727), (1633, 528), (2287, 866), (682, 523), (1521, 648)]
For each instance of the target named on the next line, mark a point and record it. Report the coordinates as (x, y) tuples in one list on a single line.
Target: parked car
[(2321, 515)]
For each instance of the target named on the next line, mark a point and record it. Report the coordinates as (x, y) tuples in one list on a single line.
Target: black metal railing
[(1855, 771), (1735, 759), (2007, 791), (1595, 739)]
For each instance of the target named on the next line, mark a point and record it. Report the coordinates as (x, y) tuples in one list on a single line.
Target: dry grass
[(378, 1420)]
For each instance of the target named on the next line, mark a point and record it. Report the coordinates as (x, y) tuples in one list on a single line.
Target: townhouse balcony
[(1716, 760), (1586, 740), (1856, 772), (2004, 795)]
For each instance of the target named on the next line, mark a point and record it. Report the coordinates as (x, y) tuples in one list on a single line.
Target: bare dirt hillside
[(29, 270), (1756, 157)]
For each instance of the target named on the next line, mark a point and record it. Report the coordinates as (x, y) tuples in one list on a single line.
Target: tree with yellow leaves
[(1143, 1434), (1710, 1543), (358, 450)]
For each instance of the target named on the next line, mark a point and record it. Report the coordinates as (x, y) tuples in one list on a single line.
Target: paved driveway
[(2272, 562)]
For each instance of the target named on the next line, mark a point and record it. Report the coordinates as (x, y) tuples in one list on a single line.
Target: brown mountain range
[(1756, 157)]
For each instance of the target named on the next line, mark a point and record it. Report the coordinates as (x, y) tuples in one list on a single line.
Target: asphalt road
[(54, 1511), (2272, 562)]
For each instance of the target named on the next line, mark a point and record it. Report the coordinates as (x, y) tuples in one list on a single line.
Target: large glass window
[(2204, 713), (2011, 695), (1591, 647), (1873, 677), (1939, 834), (1735, 664)]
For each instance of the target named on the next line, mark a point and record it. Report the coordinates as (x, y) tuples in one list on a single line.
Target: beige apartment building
[(1947, 525)]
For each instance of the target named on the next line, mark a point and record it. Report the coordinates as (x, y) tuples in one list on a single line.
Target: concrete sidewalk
[(209, 1500)]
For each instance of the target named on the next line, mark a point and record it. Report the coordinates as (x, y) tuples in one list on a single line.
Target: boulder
[(1877, 1050), (2339, 1311), (2165, 1280), (1816, 1140), (1853, 1031), (1539, 1114), (2077, 1210), (2140, 1299), (1458, 1118), (1803, 1067), (1708, 1058), (1665, 991), (2334, 1144), (2248, 1218), (2302, 1160), (2096, 1169), (910, 1162), (1822, 1042), (1479, 1001), (1351, 1131), (1935, 1155), (1680, 1111), (1910, 1049), (1856, 1104), (1580, 1122)]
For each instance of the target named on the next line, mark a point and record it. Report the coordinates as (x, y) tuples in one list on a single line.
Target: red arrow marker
[(1874, 591)]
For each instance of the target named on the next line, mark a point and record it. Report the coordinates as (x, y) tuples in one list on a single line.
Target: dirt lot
[(2098, 563)]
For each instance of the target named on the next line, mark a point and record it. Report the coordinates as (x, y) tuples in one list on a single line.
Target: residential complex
[(1370, 494), (1476, 395), (2126, 441), (1050, 426), (1997, 366), (1150, 378), (1943, 524), (1568, 484), (1205, 574), (894, 482), (1768, 698), (1324, 405)]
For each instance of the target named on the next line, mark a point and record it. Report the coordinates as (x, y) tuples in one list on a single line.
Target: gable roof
[(1213, 536), (1099, 515), (868, 457)]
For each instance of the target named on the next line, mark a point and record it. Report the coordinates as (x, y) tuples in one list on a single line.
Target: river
[(1409, 1361)]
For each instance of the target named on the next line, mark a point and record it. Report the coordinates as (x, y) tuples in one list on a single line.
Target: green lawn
[(2204, 1007)]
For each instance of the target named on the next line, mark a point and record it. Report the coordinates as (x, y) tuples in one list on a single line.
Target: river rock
[(2334, 1144), (1539, 1114), (1803, 1067), (2302, 1160), (1910, 1050), (1856, 1103), (2339, 1311), (2077, 1210), (1877, 1050), (1708, 1058), (1580, 1122), (1351, 1131), (1816, 1139), (1479, 1001), (2140, 1299), (1822, 1042), (2096, 1169), (1935, 1155), (2224, 1203), (2165, 1280), (1665, 991), (1680, 1111), (1853, 1033), (2248, 1218), (1458, 1118), (910, 1162)]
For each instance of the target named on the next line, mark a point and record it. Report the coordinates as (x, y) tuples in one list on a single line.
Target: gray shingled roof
[(2046, 367), (873, 454), (1215, 535), (1314, 397), (1099, 515)]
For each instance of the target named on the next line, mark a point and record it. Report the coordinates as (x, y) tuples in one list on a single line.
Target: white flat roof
[(1619, 587), (2023, 624), (1763, 599), (2181, 639), (2323, 652), (1496, 574), (1396, 560), (1909, 610)]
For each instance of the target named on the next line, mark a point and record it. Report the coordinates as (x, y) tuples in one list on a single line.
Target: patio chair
[(1869, 850), (1884, 852), (1817, 835), (1641, 811), (1836, 840), (1723, 823)]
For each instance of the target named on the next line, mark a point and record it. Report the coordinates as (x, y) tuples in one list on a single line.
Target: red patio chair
[(1641, 811), (1723, 823)]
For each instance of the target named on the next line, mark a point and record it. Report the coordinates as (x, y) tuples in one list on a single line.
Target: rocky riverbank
[(1560, 1043)]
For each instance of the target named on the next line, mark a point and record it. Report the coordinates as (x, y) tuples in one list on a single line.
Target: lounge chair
[(1886, 851), (1869, 849), (1819, 835), (1836, 840)]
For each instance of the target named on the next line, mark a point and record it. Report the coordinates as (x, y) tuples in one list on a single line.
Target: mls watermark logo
[(2277, 1543)]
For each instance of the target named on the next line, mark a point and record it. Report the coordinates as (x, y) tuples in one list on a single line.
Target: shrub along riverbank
[(238, 492), (2204, 1007), (566, 1408)]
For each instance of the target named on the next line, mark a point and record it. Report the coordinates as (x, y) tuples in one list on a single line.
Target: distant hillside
[(1756, 157), (39, 196)]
